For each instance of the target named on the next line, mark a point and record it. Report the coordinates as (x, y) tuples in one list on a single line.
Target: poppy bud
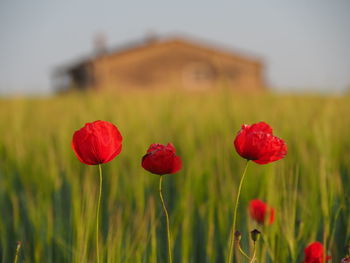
[(255, 235), (257, 143), (238, 236)]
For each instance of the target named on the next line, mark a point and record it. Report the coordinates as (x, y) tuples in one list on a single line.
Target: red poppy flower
[(261, 212), (161, 159), (257, 143), (345, 260), (314, 253), (97, 142)]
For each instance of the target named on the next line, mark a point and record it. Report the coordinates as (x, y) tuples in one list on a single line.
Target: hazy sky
[(305, 43)]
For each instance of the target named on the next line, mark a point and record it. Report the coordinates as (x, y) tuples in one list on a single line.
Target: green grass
[(48, 198)]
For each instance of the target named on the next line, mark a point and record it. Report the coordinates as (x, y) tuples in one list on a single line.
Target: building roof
[(149, 42)]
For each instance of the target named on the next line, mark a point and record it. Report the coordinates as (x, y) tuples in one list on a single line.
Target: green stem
[(254, 254), (17, 251), (242, 252), (231, 252), (98, 214), (167, 218)]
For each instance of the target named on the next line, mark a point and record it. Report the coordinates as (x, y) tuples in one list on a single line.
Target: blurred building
[(161, 63)]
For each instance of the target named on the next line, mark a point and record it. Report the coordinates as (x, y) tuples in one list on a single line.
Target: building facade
[(166, 63)]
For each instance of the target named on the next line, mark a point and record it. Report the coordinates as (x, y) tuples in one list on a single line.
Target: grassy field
[(48, 198)]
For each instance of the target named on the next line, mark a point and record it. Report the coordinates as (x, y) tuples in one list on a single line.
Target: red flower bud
[(261, 212), (257, 143), (161, 159), (97, 142), (314, 253)]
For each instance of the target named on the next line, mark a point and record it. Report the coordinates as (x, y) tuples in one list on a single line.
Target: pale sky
[(304, 43)]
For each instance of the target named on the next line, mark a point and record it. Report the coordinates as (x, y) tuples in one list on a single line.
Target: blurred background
[(304, 45)]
